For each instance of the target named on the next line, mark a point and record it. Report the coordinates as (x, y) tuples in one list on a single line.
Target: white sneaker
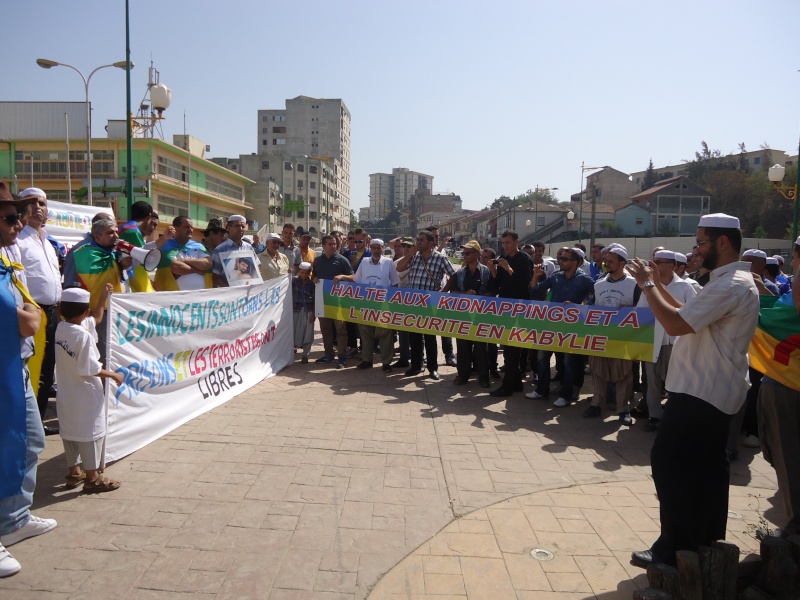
[(751, 441), (534, 395), (8, 564), (561, 403), (35, 526)]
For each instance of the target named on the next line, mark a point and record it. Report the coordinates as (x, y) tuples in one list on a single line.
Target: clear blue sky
[(490, 98)]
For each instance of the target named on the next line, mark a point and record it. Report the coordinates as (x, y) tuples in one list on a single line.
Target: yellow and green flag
[(775, 348)]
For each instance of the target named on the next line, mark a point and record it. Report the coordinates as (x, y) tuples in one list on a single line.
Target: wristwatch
[(648, 284)]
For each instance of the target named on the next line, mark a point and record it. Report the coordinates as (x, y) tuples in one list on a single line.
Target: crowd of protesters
[(707, 303)]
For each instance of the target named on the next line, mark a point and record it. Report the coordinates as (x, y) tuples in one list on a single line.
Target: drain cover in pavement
[(542, 554)]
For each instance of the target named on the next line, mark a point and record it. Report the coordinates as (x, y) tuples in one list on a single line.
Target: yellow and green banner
[(775, 348), (574, 328)]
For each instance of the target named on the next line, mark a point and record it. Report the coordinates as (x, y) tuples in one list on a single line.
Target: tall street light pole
[(49, 64), (580, 209)]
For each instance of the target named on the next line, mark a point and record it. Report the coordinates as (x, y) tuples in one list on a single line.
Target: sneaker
[(751, 441), (35, 526), (592, 412), (8, 564), (324, 359), (534, 395), (625, 418), (587, 370), (561, 403), (341, 363)]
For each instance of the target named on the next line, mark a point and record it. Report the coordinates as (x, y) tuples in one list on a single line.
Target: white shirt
[(43, 278), (192, 281), (384, 273), (403, 275), (614, 294), (80, 400), (681, 290), (711, 363)]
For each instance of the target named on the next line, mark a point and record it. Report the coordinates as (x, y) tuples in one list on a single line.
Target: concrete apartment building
[(301, 171), (175, 178), (395, 190)]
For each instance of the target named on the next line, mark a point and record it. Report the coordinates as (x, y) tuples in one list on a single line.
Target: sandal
[(100, 484), (73, 481)]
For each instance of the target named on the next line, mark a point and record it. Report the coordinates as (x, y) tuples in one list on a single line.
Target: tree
[(353, 219), (760, 232), (650, 177)]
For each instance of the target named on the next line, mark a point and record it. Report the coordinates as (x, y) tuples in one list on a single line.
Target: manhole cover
[(734, 515), (542, 554)]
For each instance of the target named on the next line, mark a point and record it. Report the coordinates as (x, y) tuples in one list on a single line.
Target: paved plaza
[(327, 484)]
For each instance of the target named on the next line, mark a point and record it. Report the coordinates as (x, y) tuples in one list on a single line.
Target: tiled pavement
[(332, 484)]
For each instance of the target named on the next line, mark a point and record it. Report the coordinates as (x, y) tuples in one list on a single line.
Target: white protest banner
[(184, 353), (69, 223)]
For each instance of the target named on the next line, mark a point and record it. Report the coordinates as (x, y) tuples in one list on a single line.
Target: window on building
[(265, 164), (300, 185), (278, 118), (757, 160), (639, 221), (264, 142), (301, 168), (173, 207), (279, 130), (312, 184), (169, 168), (287, 166), (312, 169), (312, 199), (265, 118), (287, 197), (265, 130), (312, 215)]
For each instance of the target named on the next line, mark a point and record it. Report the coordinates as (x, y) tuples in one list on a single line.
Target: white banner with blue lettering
[(184, 353)]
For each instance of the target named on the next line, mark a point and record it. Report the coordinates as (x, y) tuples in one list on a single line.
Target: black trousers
[(512, 378), (691, 473), (48, 371), (431, 351), (469, 351)]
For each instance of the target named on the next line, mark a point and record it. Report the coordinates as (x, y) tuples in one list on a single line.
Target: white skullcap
[(377, 241), (755, 253), (719, 220), (579, 252), (248, 239), (32, 192), (237, 219), (305, 265), (78, 295), (778, 257), (609, 247), (665, 254), (681, 257), (771, 260), (797, 241), (273, 236), (549, 267), (619, 250)]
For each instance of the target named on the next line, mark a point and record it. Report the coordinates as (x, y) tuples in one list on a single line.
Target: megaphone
[(147, 258)]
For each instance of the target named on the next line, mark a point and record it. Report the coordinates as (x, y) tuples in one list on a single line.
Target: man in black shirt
[(328, 265), (511, 278)]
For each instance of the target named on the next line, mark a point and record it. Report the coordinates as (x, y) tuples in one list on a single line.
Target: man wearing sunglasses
[(570, 284), (21, 431)]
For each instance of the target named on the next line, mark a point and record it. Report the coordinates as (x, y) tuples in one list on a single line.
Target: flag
[(775, 348)]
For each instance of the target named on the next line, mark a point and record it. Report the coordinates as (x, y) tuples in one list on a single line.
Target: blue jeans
[(572, 375), (15, 510)]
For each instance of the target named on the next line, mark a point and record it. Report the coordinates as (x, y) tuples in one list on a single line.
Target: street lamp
[(49, 64), (580, 209), (775, 175)]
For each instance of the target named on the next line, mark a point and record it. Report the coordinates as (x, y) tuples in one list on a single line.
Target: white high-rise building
[(308, 131), (395, 190)]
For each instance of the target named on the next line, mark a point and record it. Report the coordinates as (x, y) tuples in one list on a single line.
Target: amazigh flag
[(775, 349), (165, 280), (139, 278), (96, 267), (13, 435)]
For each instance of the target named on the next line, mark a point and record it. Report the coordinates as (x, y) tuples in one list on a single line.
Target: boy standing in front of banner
[(81, 398)]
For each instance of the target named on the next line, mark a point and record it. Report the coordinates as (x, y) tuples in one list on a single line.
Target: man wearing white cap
[(784, 286), (236, 227), (682, 290), (274, 262), (707, 383), (43, 279), (376, 269), (758, 264), (616, 289)]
